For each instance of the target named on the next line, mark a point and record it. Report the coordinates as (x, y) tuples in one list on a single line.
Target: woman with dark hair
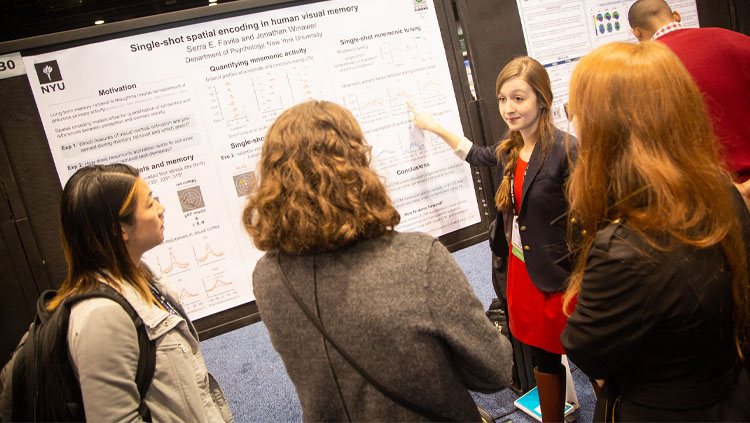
[(534, 163), (109, 219), (400, 335), (662, 278)]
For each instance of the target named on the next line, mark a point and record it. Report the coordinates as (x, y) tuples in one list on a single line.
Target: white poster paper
[(559, 32), (189, 106)]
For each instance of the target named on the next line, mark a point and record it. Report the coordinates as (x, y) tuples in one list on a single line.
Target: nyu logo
[(420, 5), (49, 76)]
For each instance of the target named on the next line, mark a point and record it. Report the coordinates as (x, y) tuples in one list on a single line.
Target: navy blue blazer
[(543, 222)]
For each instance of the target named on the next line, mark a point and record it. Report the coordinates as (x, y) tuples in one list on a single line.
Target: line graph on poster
[(218, 287), (172, 265), (209, 255), (262, 95), (376, 103)]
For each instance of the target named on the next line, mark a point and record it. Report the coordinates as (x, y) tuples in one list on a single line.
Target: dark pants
[(734, 407), (545, 361)]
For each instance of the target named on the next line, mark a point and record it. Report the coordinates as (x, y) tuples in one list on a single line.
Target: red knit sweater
[(719, 61)]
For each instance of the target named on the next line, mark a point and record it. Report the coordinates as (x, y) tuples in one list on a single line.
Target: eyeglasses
[(568, 112)]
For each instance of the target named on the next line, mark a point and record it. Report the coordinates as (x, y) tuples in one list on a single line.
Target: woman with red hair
[(661, 280)]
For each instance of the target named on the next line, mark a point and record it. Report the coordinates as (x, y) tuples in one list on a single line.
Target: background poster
[(559, 32), (189, 106)]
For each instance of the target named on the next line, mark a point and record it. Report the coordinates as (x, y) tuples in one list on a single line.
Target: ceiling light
[(98, 22)]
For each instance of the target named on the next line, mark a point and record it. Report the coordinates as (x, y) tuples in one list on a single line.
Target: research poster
[(189, 107), (559, 32)]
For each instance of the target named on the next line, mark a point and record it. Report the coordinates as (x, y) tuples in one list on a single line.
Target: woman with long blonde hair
[(661, 279), (532, 164)]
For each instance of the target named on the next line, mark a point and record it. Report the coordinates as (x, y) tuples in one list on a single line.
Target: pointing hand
[(422, 120)]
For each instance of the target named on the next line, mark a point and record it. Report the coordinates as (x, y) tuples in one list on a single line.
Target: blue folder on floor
[(529, 403)]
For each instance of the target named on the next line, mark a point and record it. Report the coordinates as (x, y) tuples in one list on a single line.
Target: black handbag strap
[(389, 394)]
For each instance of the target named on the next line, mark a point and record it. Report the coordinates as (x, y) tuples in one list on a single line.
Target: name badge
[(515, 240)]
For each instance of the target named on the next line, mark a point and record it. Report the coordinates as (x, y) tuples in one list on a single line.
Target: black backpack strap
[(398, 399), (26, 367), (23, 392), (147, 359), (146, 368)]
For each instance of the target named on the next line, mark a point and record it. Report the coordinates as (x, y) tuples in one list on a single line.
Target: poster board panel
[(188, 103)]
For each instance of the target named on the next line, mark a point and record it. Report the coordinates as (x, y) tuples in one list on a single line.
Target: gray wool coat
[(401, 307)]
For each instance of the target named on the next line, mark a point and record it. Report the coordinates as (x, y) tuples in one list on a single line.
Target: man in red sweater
[(719, 61)]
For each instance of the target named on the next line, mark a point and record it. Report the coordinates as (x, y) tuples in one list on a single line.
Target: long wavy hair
[(647, 155), (507, 151), (317, 191), (96, 201)]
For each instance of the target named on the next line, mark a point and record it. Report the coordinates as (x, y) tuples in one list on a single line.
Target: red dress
[(536, 317)]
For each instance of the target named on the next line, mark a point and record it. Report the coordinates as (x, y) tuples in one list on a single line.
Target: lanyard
[(163, 301), (513, 190), (515, 241)]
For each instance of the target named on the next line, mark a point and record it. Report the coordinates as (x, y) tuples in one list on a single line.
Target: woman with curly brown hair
[(393, 305), (661, 281)]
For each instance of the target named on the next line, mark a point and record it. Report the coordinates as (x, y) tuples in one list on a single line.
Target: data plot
[(383, 153), (225, 101), (558, 114), (217, 284), (218, 288), (268, 89), (368, 104), (173, 265), (190, 294), (302, 85), (431, 93), (191, 199), (244, 183), (399, 52), (185, 294), (399, 94), (208, 256), (411, 142)]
